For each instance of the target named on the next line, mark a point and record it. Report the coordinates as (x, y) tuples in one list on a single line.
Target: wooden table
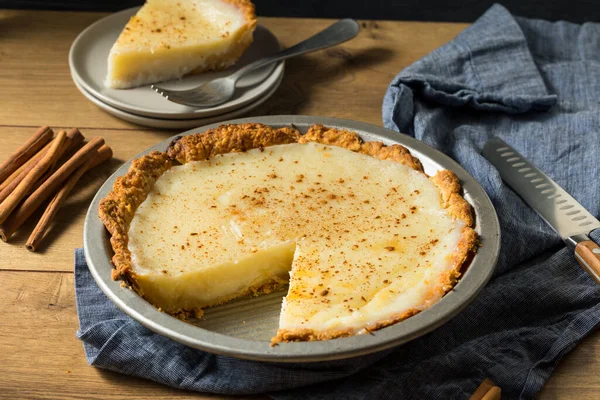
[(39, 354)]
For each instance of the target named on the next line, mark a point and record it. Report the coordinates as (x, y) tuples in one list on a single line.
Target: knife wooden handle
[(587, 254)]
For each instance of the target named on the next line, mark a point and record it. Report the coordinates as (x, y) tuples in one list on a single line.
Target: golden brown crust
[(450, 188), (118, 208), (247, 8), (308, 335), (351, 141), (229, 139)]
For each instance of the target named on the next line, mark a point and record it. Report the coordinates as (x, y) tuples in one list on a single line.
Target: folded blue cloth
[(535, 84)]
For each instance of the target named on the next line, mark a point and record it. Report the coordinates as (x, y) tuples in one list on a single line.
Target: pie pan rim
[(97, 252)]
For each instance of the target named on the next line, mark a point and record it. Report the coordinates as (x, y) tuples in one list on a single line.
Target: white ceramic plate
[(88, 62), (176, 123)]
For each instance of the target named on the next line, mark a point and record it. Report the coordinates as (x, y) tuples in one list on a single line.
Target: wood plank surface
[(39, 354), (41, 358), (355, 74)]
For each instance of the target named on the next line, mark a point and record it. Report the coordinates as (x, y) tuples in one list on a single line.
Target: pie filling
[(361, 241), (167, 39)]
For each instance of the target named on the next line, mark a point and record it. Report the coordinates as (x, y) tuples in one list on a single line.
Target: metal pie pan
[(243, 328)]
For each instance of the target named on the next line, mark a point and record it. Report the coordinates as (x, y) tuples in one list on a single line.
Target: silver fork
[(220, 90)]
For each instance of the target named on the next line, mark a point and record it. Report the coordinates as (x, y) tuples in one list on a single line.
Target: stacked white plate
[(88, 63)]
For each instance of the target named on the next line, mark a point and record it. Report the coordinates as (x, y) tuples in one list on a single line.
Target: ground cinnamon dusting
[(201, 146)]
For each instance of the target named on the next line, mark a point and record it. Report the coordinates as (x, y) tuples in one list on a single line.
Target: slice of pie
[(168, 39), (361, 234)]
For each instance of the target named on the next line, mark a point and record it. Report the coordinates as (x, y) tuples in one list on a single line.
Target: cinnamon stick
[(49, 187), (25, 152), (4, 193), (53, 153), (76, 138), (25, 167), (486, 390), (494, 393), (72, 140), (103, 154)]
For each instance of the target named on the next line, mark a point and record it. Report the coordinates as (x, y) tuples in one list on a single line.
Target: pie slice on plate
[(168, 39), (361, 234)]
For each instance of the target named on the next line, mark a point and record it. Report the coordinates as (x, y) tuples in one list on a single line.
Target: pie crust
[(118, 208)]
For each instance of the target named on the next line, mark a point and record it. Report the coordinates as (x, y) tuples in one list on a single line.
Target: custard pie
[(362, 236), (168, 39)]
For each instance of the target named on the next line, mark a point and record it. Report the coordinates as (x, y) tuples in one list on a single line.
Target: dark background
[(415, 10)]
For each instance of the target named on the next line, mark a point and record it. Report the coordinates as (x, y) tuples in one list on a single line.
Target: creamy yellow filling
[(167, 39), (365, 239)]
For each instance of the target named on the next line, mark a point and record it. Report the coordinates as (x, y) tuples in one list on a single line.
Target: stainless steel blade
[(561, 211)]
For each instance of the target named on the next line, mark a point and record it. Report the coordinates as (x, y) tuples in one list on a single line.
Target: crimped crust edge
[(117, 210)]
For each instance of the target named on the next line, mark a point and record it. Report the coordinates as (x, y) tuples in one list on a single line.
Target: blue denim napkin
[(534, 83)]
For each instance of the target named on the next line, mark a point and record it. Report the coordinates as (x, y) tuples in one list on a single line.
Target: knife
[(561, 211)]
